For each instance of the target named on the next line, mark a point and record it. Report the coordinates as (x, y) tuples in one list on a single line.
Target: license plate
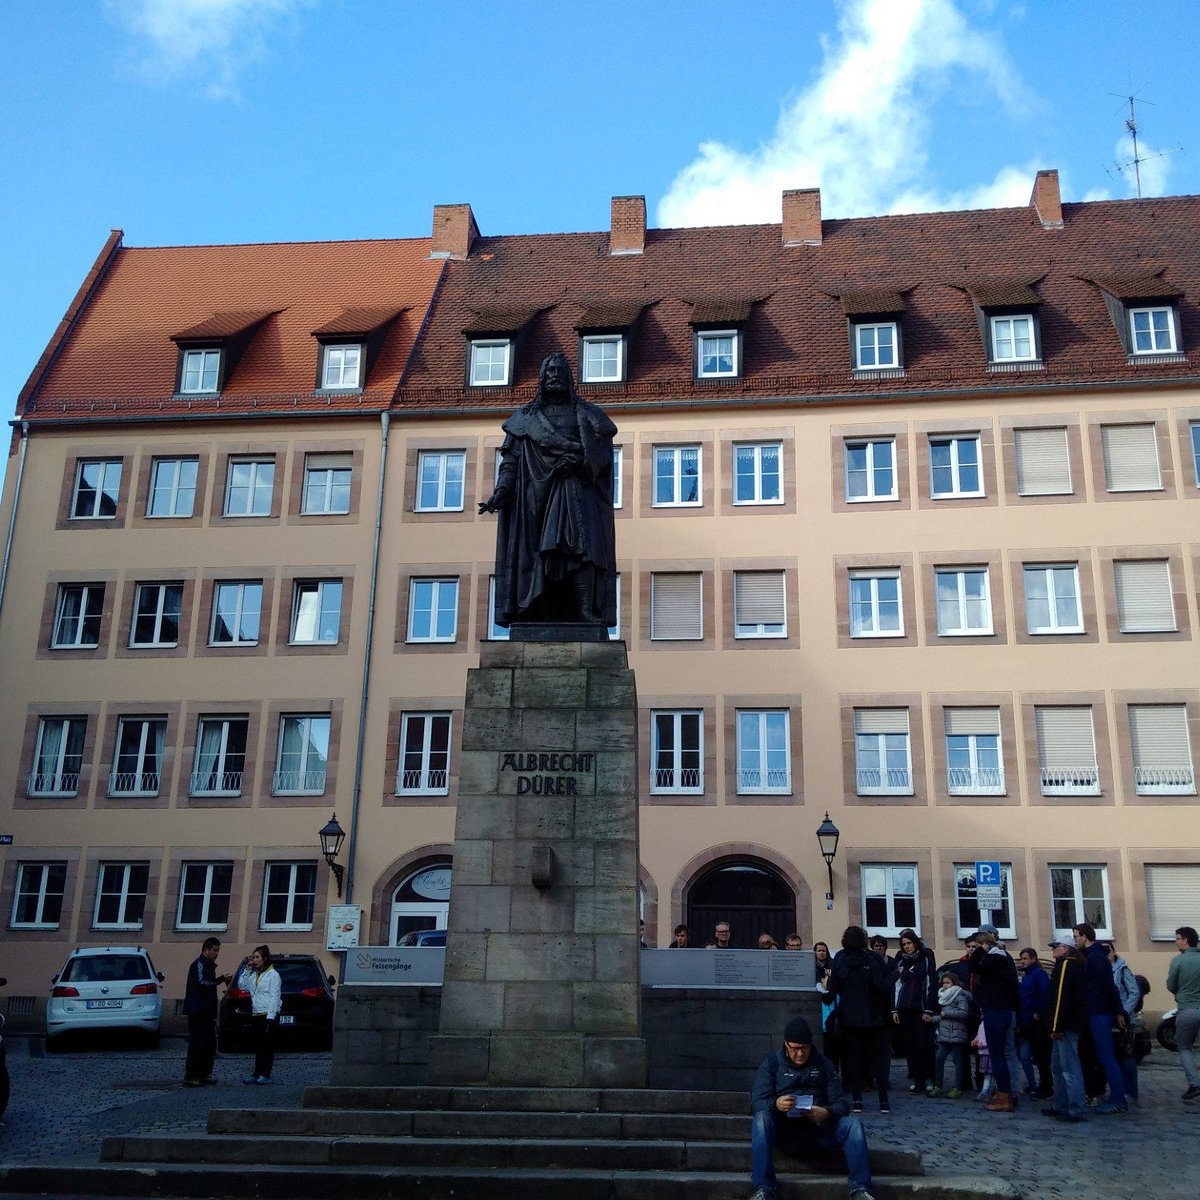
[(104, 1004), (287, 1020)]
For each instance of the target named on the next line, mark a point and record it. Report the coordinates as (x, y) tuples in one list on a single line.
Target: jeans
[(999, 1027), (201, 1047), (1100, 1025), (953, 1052), (799, 1136), (1069, 1096), (264, 1045), (1187, 1025), (1034, 1051)]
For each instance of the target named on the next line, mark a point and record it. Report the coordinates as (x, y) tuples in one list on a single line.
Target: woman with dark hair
[(998, 994), (824, 964), (262, 981), (914, 1007), (859, 990)]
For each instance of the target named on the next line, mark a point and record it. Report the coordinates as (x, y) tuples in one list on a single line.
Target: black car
[(306, 1014)]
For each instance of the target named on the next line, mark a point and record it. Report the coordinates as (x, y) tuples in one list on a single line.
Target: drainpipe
[(12, 516)]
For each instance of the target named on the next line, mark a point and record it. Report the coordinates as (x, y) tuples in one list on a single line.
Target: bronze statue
[(555, 551)]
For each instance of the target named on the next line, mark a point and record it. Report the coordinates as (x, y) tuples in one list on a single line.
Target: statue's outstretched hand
[(494, 503)]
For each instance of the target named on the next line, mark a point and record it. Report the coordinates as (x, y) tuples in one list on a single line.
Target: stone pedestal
[(541, 982)]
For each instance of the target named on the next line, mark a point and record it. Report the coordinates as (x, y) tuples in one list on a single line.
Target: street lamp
[(827, 835), (332, 836)]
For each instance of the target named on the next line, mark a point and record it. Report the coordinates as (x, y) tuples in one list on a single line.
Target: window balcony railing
[(311, 783), (976, 781), (884, 781), (1164, 781), (216, 783), (688, 779), (133, 783), (57, 783), (435, 782), (775, 779), (1070, 781)]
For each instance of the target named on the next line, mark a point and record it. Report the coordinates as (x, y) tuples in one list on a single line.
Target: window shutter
[(328, 462), (881, 720), (1144, 600), (972, 720), (1043, 464), (1130, 458), (1162, 754), (1173, 898), (758, 598), (675, 607), (1065, 738)]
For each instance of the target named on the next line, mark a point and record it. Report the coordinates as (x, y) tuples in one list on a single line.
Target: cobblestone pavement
[(64, 1104)]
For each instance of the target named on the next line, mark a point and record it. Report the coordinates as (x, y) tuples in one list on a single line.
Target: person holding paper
[(797, 1104)]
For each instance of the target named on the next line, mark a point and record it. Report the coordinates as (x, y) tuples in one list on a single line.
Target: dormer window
[(341, 366), (717, 354), (1152, 330), (491, 362), (492, 339), (876, 347), (603, 330), (602, 358), (1145, 313), (1007, 312), (210, 350), (1013, 338), (200, 371), (876, 341), (348, 344)]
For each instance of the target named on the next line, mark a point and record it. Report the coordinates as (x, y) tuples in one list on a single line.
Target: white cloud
[(210, 41), (1154, 166), (860, 131)]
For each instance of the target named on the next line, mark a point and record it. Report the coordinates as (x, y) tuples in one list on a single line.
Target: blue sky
[(197, 121)]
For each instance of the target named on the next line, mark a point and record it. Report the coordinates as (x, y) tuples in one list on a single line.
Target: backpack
[(1144, 990)]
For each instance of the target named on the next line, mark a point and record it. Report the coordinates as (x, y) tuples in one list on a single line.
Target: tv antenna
[(1136, 161)]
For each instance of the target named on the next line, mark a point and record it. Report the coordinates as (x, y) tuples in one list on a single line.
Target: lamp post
[(332, 836), (827, 836)]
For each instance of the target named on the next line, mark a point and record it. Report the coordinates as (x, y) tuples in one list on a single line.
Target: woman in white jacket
[(262, 981)]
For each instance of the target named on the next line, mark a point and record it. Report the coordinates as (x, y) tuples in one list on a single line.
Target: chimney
[(1047, 200), (454, 231), (802, 217), (628, 234)]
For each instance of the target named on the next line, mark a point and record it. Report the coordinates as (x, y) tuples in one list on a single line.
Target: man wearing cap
[(1065, 1017), (798, 1104)]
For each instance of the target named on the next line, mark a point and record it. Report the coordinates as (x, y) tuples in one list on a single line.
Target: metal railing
[(216, 783), (884, 779), (979, 781), (283, 782), (1164, 780), (774, 779), (133, 783), (1065, 781), (423, 781), (53, 783)]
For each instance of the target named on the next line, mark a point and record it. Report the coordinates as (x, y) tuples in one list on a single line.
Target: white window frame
[(1153, 337), (1054, 574), (1162, 755), (759, 629), (315, 613), (1006, 930), (1076, 900), (867, 343), (883, 778), (611, 366), (58, 780), (669, 468), (246, 597), (200, 371), (496, 633), (1194, 430), (869, 606), (677, 769), (45, 885), (758, 479), (197, 879), (141, 781), (304, 779), (175, 495), (327, 484), (104, 491), (488, 368), (290, 880), (443, 602), (1064, 777), (159, 613), (421, 769), (87, 601), (251, 494), (956, 467), (703, 337), (893, 924), (230, 782), (961, 605), (438, 490), (686, 614), (132, 882), (870, 471), (764, 752), (618, 470), (341, 366), (1005, 340), (975, 778)]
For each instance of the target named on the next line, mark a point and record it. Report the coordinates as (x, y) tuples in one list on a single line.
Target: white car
[(106, 987)]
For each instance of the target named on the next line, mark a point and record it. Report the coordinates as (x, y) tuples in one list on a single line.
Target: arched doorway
[(748, 893), (421, 901)]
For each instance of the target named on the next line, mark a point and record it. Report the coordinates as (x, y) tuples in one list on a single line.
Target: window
[(1052, 599), (763, 752), (38, 895), (717, 354), (756, 473), (973, 764), (138, 761), (1195, 432), (440, 480), (58, 756), (289, 895), (432, 610), (326, 484), (200, 371), (871, 470), (1130, 458), (1079, 895), (303, 756), (1152, 330), (759, 608), (316, 612), (204, 891), (676, 475), (1162, 753), (890, 899), (678, 752), (496, 633), (250, 487), (882, 759), (1144, 600), (614, 630), (121, 895), (1066, 743), (237, 608), (77, 616), (603, 359), (156, 612), (954, 467), (424, 754), (97, 489), (1172, 897), (676, 607), (1043, 462), (876, 347), (964, 602), (341, 367), (220, 756), (617, 468), (1013, 339), (172, 487), (969, 916), (875, 604), (490, 363)]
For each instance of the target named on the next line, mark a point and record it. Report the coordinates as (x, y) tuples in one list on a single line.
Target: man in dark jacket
[(797, 1103), (200, 1008), (1104, 1010), (1034, 1050), (861, 987), (1065, 1017)]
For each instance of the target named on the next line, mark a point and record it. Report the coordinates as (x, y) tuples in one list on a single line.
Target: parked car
[(4, 1084), (423, 937), (306, 1014), (105, 987)]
